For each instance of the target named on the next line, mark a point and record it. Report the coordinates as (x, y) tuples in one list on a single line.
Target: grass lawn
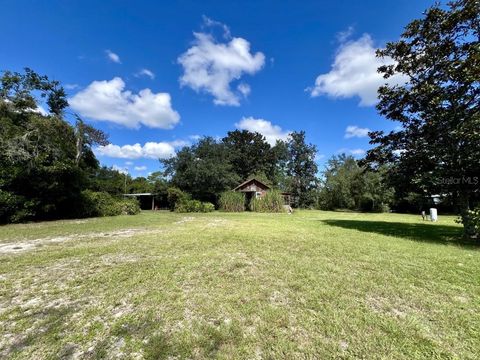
[(239, 286)]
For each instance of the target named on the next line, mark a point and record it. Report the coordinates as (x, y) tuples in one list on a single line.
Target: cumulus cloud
[(140, 168), (271, 132), (146, 72), (112, 56), (211, 66), (344, 35), (354, 131), (121, 170), (109, 101), (150, 150), (354, 73), (207, 22)]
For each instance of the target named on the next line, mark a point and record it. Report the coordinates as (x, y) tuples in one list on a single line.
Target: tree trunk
[(79, 151)]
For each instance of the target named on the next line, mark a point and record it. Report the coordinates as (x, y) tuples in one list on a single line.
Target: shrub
[(208, 207), (232, 201), (272, 201), (103, 204), (176, 196), (471, 223), (194, 206), (129, 206), (368, 203), (11, 207)]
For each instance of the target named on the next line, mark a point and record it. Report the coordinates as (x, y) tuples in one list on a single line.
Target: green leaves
[(439, 108), (20, 91)]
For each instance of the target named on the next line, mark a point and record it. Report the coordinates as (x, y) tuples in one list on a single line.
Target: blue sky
[(155, 75)]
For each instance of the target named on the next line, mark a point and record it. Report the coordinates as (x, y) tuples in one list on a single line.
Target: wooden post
[(153, 202)]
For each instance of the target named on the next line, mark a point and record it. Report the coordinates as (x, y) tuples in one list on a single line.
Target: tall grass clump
[(272, 201), (232, 201)]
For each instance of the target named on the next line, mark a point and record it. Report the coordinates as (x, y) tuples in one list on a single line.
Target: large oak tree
[(437, 145)]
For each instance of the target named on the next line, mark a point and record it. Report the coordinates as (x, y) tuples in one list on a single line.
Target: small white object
[(433, 214)]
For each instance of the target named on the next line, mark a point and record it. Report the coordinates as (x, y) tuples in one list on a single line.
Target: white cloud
[(179, 143), (140, 168), (271, 132), (195, 137), (354, 73), (146, 72), (344, 35), (150, 150), (244, 89), (71, 86), (207, 22), (108, 101), (211, 66), (354, 131), (129, 163), (354, 152), (358, 152), (113, 57), (40, 110), (120, 169), (319, 157)]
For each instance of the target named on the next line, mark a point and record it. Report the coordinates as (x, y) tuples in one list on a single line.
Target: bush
[(208, 207), (232, 201), (367, 203), (272, 201), (129, 206), (176, 196), (194, 206), (471, 223), (103, 204), (10, 207)]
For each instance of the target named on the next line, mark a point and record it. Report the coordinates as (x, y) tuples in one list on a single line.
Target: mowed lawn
[(312, 285)]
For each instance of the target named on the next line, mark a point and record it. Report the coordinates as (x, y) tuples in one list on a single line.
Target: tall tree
[(339, 183), (202, 170), (19, 90), (39, 176), (249, 153), (302, 169), (109, 180), (86, 137), (438, 107)]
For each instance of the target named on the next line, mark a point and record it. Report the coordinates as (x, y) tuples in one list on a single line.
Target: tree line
[(47, 162)]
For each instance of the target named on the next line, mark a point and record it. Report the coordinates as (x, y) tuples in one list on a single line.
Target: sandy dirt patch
[(28, 245)]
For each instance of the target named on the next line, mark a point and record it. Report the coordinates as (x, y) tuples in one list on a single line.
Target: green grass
[(239, 286)]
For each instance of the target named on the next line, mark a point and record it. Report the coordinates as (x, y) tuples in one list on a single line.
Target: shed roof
[(252, 180)]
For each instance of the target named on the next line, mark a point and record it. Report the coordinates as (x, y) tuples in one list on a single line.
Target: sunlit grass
[(225, 285)]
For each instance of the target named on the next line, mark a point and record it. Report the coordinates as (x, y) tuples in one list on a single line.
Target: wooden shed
[(256, 188), (252, 188)]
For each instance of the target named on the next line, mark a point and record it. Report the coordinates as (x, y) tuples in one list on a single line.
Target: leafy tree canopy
[(438, 107)]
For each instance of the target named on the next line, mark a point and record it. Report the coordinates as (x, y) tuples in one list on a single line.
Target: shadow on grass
[(432, 233)]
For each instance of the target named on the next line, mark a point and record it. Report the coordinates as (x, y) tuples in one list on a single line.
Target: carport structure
[(144, 199)]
